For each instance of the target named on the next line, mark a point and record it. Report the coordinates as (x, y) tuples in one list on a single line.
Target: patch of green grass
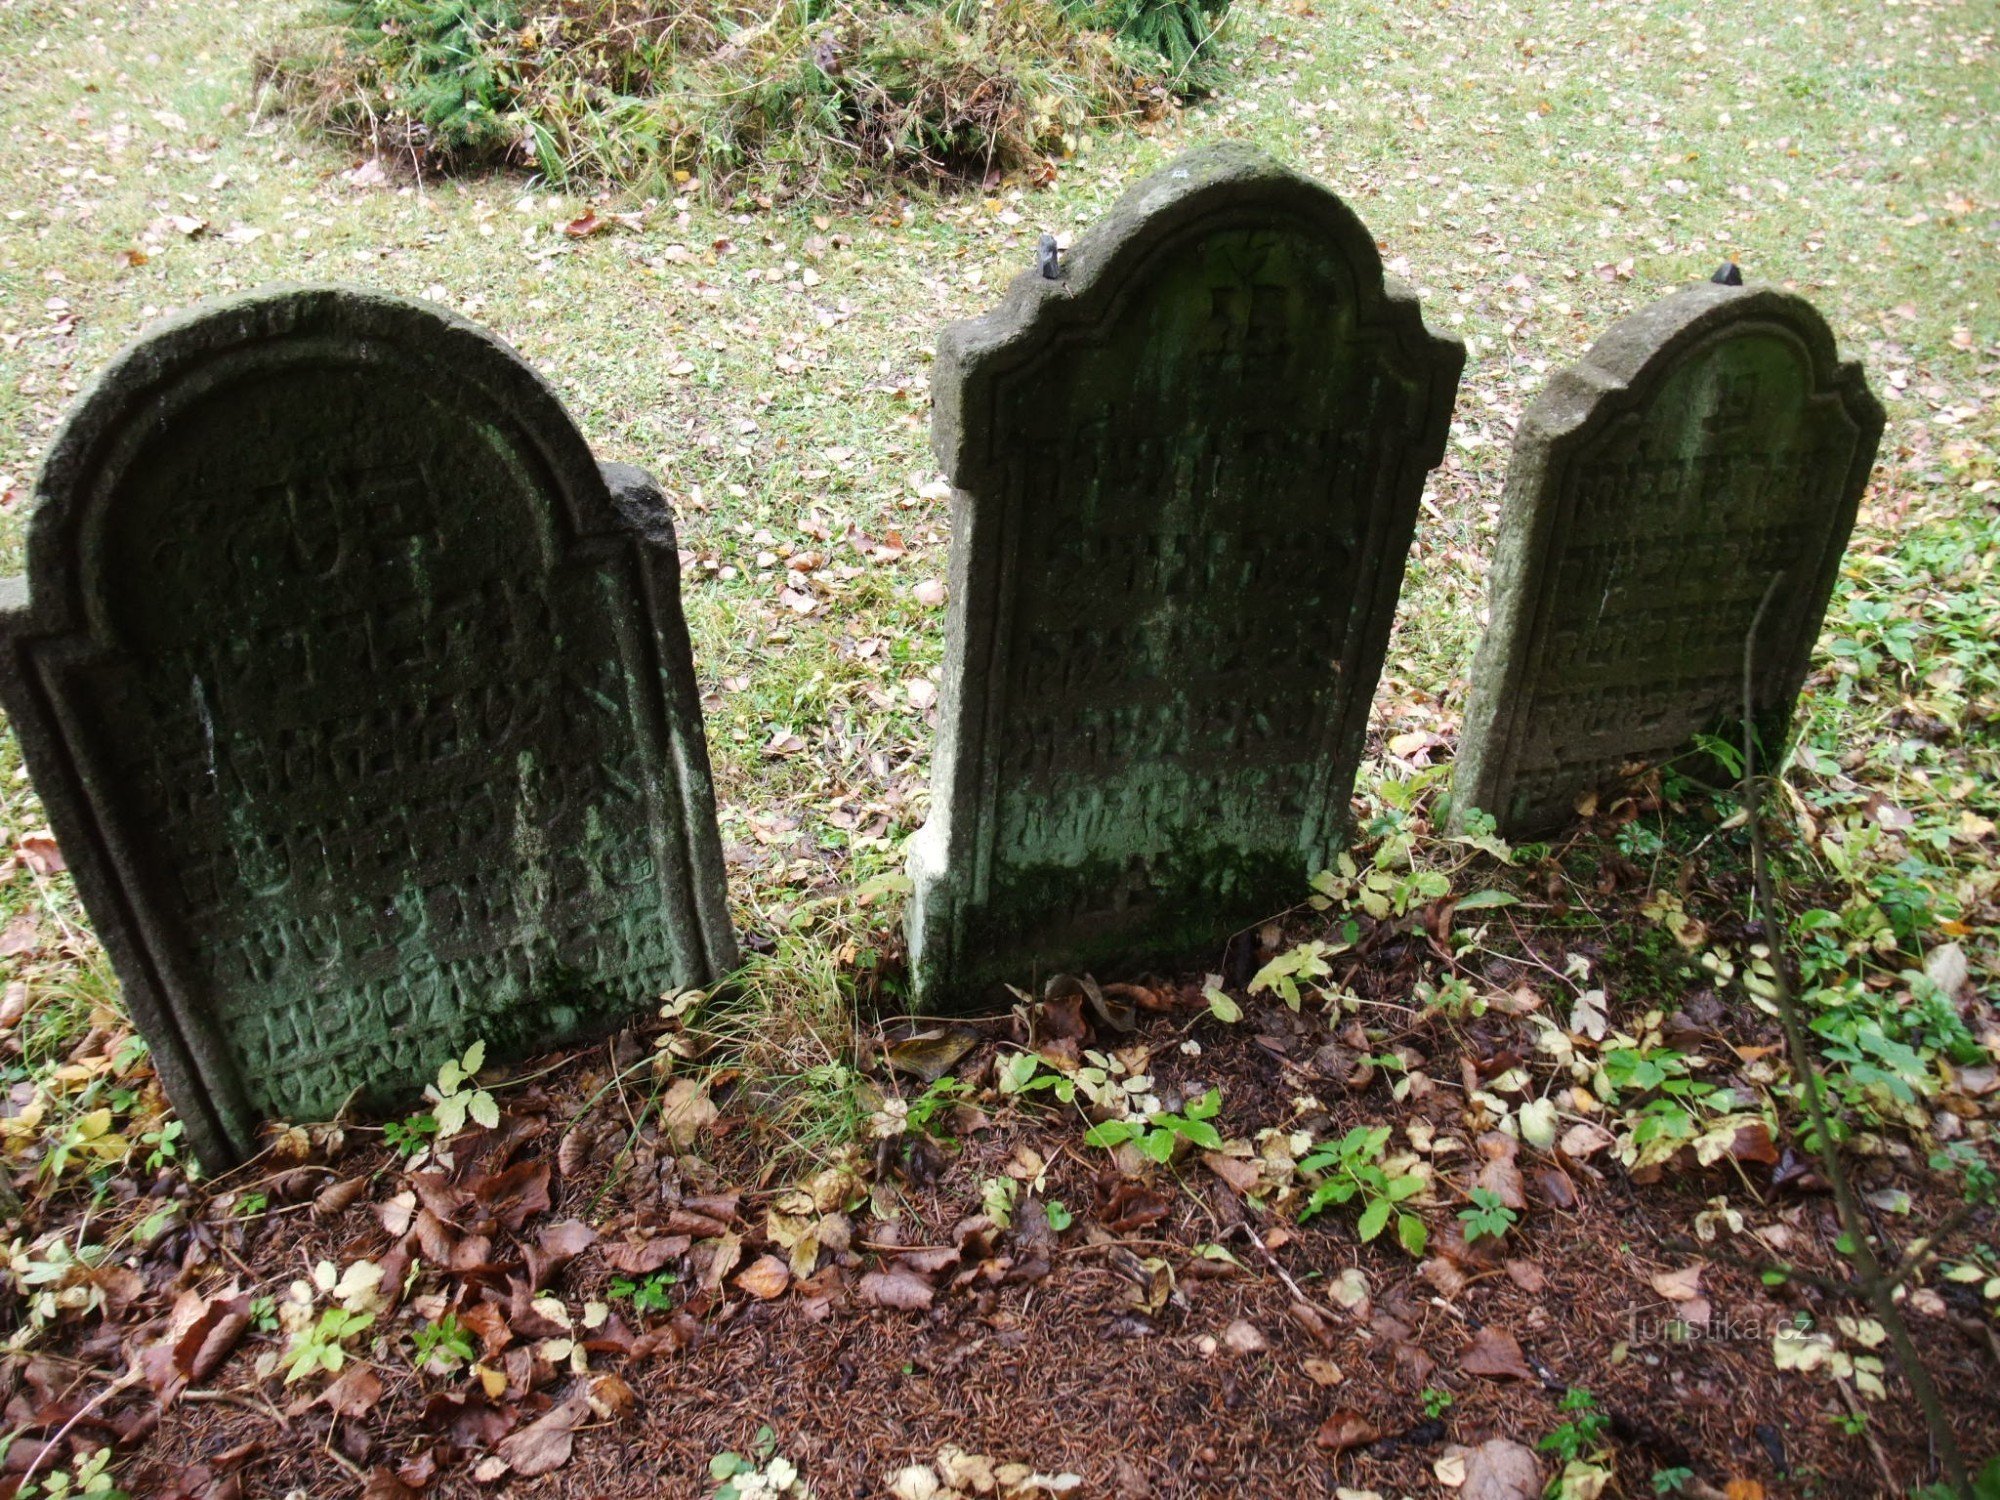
[(1531, 178)]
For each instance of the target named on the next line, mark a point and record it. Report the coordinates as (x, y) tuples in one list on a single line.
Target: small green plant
[(926, 1109), (453, 1102), (321, 1343), (1351, 1168), (766, 1476), (1058, 1214), (1158, 1132), (1283, 975), (409, 1136), (165, 1143), (91, 1477), (264, 1314), (1583, 1434), (1852, 1423), (648, 1294), (1488, 1218), (1977, 1179), (1437, 1401), (1671, 1481), (250, 1205), (444, 1344), (997, 1195)]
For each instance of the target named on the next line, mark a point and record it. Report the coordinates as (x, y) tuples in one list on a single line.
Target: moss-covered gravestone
[(1709, 450), (1186, 473), (361, 703)]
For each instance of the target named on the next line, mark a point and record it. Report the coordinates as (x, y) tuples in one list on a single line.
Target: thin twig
[(124, 1382), (1874, 1282)]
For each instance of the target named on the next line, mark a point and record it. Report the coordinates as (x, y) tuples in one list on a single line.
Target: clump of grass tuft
[(815, 97)]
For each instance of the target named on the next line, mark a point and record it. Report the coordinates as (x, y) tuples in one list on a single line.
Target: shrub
[(816, 96)]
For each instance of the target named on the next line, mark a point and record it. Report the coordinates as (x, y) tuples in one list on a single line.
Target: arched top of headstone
[(450, 369), (1642, 350), (1116, 264)]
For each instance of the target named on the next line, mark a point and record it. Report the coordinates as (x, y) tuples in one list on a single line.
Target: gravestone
[(1706, 446), (361, 703), (1186, 470)]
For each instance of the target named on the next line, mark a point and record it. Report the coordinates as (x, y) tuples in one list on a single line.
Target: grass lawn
[(1534, 168)]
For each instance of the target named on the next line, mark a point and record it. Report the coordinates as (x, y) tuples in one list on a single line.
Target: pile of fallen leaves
[(1145, 1207)]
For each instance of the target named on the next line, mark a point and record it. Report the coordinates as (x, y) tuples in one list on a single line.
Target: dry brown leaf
[(765, 1278), (1239, 1174), (897, 1289), (1501, 1470), (20, 936), (354, 1392), (544, 1445), (1322, 1372), (1682, 1285), (1498, 1174), (643, 1257), (1495, 1353), (686, 1111), (338, 1197), (1345, 1429), (40, 853), (1244, 1338)]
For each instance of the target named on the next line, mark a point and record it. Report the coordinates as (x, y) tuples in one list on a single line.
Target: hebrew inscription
[(1186, 476), (363, 713), (1708, 451)]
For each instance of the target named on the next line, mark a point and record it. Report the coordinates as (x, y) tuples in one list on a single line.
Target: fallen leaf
[(1501, 1470), (765, 1278), (1239, 1174), (1495, 1353), (1585, 1140), (544, 1445), (354, 1393), (1499, 1174), (897, 1289), (1681, 1285), (41, 853), (20, 936), (686, 1111), (1345, 1429), (643, 1257), (1243, 1338)]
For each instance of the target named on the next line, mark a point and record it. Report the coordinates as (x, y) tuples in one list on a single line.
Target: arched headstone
[(1186, 472), (1707, 450), (361, 703)]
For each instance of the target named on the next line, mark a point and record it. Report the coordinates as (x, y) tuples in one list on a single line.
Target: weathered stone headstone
[(1186, 474), (361, 703), (1705, 446)]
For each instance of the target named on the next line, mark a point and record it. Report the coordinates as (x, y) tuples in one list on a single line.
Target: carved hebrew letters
[(1708, 450), (1187, 476), (364, 716)]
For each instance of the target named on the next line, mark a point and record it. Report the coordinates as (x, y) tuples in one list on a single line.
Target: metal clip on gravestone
[(361, 703), (1186, 477), (1706, 445)]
